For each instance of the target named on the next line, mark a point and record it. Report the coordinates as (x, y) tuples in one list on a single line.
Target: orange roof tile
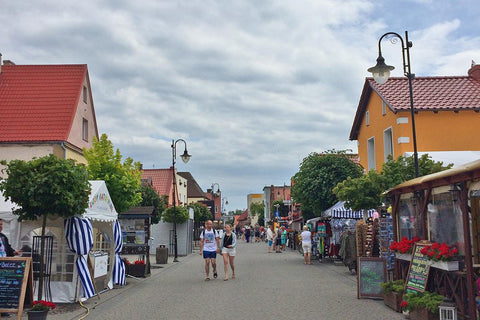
[(38, 102), (161, 181)]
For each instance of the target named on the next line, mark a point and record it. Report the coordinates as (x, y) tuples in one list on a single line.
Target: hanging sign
[(419, 269), (16, 284)]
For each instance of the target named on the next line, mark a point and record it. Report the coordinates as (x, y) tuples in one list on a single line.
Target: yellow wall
[(79, 158), (442, 131)]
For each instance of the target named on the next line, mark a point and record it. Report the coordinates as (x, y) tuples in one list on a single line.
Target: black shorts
[(278, 242)]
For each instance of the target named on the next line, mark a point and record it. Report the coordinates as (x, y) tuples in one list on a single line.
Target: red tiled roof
[(161, 181), (38, 102), (429, 93), (243, 216)]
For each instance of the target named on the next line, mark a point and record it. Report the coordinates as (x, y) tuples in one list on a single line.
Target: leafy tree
[(366, 191), (261, 221), (150, 197), (43, 187), (122, 179), (236, 212), (257, 209), (318, 175), (182, 215), (201, 212)]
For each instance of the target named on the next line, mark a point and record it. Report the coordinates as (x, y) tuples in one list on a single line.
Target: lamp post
[(185, 158), (381, 73)]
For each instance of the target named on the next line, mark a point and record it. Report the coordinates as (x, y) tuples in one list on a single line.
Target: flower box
[(422, 314), (37, 315), (403, 256), (393, 300), (136, 270), (446, 265)]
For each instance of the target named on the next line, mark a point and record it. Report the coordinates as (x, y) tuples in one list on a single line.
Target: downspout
[(62, 145)]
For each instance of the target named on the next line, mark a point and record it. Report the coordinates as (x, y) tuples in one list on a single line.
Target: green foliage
[(420, 300), (396, 286), (366, 191), (318, 175), (201, 212), (261, 221), (257, 209), (122, 179), (169, 215), (46, 186), (150, 197)]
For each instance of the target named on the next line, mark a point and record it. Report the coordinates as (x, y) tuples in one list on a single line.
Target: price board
[(417, 276), (371, 273), (16, 284)]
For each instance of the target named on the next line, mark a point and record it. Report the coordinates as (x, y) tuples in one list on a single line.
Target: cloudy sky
[(253, 86)]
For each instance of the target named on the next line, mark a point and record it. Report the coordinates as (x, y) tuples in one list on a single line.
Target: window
[(216, 208), (387, 143), (371, 154), (85, 129), (384, 108), (367, 118), (84, 94), (409, 219)]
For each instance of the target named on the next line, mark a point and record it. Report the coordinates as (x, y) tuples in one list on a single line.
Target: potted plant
[(392, 294), (40, 310), (442, 255), (422, 305), (403, 248), (137, 269)]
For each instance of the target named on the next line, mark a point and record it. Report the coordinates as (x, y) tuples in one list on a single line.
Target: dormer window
[(85, 129), (367, 118), (84, 94)]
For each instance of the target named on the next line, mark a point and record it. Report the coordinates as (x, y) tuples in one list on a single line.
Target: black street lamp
[(185, 157), (381, 73)]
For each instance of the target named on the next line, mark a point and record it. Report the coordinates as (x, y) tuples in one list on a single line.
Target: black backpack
[(214, 233)]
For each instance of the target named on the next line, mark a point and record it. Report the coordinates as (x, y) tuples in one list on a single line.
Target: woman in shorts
[(228, 250), (306, 245)]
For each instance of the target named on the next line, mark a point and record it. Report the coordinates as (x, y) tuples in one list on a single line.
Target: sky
[(252, 86)]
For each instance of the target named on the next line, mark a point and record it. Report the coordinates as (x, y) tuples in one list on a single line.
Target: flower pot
[(393, 300), (37, 315), (403, 256), (136, 270), (422, 314), (446, 265)]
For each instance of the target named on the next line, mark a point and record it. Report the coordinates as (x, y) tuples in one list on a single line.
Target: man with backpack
[(209, 246)]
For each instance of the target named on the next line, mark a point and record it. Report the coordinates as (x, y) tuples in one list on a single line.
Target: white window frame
[(372, 165), (388, 137), (384, 108), (85, 129), (85, 94), (367, 118)]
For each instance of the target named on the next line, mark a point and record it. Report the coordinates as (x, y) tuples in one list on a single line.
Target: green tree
[(318, 175), (366, 191), (43, 187), (122, 179), (150, 197), (261, 221), (257, 209), (201, 212), (169, 215)]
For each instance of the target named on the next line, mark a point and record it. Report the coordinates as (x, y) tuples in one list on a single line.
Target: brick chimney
[(474, 71)]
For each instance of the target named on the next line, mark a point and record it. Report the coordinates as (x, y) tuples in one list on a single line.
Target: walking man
[(209, 246)]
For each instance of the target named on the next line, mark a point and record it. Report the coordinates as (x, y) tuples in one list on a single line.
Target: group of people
[(251, 234), (276, 238), (211, 243)]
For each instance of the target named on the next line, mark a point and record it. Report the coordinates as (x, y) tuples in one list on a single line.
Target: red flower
[(403, 304)]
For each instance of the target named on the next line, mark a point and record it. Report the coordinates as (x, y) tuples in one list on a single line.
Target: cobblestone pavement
[(268, 286)]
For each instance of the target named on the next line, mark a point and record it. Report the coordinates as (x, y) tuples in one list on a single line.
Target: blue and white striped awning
[(338, 211)]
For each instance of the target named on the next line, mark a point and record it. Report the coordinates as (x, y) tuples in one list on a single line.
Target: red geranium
[(403, 246), (403, 304), (141, 262), (439, 252), (42, 305)]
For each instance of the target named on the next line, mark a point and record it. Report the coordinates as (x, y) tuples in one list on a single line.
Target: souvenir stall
[(84, 249), (443, 208)]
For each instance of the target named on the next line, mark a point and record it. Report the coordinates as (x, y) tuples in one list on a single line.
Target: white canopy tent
[(65, 284)]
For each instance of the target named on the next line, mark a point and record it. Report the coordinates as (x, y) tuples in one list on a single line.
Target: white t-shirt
[(209, 240), (306, 237)]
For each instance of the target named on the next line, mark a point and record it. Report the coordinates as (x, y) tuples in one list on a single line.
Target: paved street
[(268, 286)]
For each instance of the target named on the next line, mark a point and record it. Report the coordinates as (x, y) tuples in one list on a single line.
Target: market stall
[(443, 208), (75, 244)]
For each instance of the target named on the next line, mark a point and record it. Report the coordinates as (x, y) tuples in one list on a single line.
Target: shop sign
[(419, 269)]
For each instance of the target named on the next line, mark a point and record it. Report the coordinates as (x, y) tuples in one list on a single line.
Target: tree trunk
[(42, 259)]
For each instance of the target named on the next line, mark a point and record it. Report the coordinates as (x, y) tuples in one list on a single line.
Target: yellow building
[(446, 118)]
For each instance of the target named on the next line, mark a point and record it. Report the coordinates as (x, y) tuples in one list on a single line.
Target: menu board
[(371, 273), (417, 276), (16, 280)]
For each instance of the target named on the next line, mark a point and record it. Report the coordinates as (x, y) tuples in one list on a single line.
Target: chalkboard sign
[(419, 269), (371, 273), (16, 284)]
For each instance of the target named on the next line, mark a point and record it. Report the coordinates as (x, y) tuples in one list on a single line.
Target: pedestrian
[(278, 240), (209, 246), (306, 245), (6, 250), (257, 233), (270, 237), (228, 250), (284, 238), (247, 234)]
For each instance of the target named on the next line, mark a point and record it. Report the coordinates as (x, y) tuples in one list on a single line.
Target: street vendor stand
[(443, 207)]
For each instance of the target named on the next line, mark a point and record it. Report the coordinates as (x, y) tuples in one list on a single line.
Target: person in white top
[(270, 236), (306, 245), (209, 246)]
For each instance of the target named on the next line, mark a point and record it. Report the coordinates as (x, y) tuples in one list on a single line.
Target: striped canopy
[(338, 211), (118, 274)]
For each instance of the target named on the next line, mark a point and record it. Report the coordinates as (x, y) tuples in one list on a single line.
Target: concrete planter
[(37, 315), (403, 256), (136, 270), (446, 265)]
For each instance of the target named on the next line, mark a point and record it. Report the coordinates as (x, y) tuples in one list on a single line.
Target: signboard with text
[(16, 284), (371, 273), (418, 271)]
